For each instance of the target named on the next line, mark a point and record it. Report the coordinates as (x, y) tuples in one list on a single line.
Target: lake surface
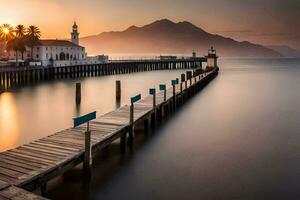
[(237, 139)]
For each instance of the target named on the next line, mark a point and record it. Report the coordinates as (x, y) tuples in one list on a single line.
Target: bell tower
[(75, 34)]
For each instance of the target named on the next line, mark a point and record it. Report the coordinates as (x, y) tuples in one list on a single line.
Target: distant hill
[(167, 37), (286, 51)]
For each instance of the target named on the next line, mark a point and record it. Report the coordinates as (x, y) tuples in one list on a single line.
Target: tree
[(20, 31), (6, 32), (33, 37)]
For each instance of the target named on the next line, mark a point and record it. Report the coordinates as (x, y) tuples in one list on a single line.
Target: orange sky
[(266, 22)]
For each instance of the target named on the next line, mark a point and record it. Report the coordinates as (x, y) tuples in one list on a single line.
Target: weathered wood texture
[(32, 165), (9, 192)]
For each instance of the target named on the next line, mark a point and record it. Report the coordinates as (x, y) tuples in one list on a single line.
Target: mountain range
[(166, 37), (286, 51)]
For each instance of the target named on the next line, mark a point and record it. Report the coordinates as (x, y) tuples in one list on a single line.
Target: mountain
[(167, 37), (286, 51)]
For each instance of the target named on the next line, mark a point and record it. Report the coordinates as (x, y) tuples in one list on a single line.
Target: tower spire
[(75, 34)]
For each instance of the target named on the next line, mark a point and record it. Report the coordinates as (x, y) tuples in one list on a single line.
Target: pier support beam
[(87, 163), (118, 90), (78, 93), (131, 127)]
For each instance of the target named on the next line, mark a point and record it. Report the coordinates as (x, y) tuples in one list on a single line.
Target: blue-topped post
[(88, 151), (152, 91), (174, 82), (163, 87), (131, 119)]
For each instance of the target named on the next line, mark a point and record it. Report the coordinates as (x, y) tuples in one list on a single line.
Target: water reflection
[(9, 123)]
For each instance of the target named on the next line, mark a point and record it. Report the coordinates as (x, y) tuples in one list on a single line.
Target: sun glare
[(6, 31)]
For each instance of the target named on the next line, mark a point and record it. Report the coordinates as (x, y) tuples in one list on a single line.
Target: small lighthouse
[(212, 58), (75, 34)]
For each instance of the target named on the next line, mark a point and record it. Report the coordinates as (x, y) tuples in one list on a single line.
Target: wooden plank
[(35, 155), (15, 168), (3, 185), (12, 174), (23, 160), (18, 164), (29, 158), (15, 193), (60, 142), (51, 149), (56, 146), (42, 151)]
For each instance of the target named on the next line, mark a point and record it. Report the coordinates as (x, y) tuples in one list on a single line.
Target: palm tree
[(20, 31), (34, 31), (33, 37), (6, 32)]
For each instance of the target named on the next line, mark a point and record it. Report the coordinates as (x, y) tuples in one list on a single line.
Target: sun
[(6, 31)]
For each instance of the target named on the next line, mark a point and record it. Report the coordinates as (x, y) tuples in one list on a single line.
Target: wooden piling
[(87, 163), (118, 90), (130, 131), (78, 93)]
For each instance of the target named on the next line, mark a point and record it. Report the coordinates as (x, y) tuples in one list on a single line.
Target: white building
[(56, 52)]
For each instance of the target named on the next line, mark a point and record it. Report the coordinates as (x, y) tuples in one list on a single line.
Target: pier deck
[(30, 166)]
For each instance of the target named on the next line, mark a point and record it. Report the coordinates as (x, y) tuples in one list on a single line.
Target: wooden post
[(78, 93), (87, 153), (181, 94), (153, 121), (174, 97), (118, 90), (130, 135)]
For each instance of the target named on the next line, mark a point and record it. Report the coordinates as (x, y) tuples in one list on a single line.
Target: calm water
[(237, 139)]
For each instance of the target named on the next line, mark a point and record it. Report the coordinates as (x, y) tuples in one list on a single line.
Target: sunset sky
[(261, 21)]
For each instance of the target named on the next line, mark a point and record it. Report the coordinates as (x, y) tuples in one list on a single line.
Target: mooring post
[(87, 163), (162, 87), (78, 93), (130, 136), (174, 93), (152, 91), (118, 90), (131, 120), (88, 153)]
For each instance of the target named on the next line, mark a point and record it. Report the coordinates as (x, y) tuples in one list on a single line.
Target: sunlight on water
[(9, 123)]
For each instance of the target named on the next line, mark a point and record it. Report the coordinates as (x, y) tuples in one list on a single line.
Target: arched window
[(62, 56), (68, 56), (56, 57), (71, 56)]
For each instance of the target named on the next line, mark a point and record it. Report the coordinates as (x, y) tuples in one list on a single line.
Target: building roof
[(60, 43)]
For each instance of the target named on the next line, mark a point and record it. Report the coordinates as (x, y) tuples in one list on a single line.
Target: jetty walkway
[(20, 76), (31, 166)]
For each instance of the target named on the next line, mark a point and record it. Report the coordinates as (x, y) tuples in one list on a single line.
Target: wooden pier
[(19, 76), (32, 165)]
